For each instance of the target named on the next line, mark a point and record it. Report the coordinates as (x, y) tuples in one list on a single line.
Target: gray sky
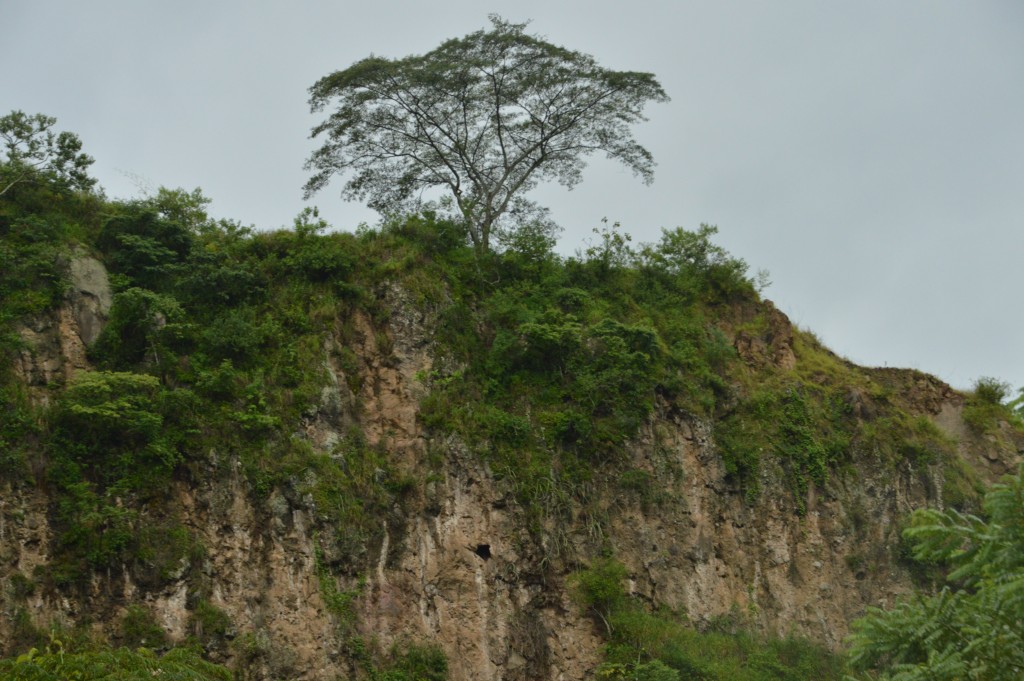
[(869, 154)]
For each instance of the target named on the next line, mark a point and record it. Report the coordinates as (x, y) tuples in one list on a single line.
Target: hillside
[(315, 455)]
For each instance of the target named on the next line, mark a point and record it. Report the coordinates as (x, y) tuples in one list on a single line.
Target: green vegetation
[(985, 408), (139, 629), (210, 625), (409, 662), (41, 217), (560, 363), (806, 426), (825, 415), (415, 663), (33, 152), (485, 118), (216, 365), (971, 629), (114, 445), (215, 353), (120, 664), (662, 646)]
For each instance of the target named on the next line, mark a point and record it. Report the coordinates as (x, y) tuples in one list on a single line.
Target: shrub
[(990, 390), (417, 663), (139, 629), (985, 408), (599, 589), (122, 664), (235, 335), (111, 410), (114, 445), (140, 324), (145, 247), (210, 625)]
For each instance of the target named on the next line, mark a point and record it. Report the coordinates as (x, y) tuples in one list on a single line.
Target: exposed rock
[(505, 612), (774, 346), (55, 344), (90, 296)]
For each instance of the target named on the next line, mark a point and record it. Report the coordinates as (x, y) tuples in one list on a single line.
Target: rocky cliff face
[(456, 563), (55, 344)]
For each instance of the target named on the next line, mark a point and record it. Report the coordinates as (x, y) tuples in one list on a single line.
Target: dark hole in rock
[(483, 550)]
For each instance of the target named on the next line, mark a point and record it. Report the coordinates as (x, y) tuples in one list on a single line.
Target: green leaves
[(116, 442), (34, 277), (122, 664), (145, 246), (102, 405), (141, 324), (804, 426), (35, 152), (972, 628), (599, 589), (597, 381), (484, 118), (122, 427)]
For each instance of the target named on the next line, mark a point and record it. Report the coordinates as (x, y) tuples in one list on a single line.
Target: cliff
[(349, 490)]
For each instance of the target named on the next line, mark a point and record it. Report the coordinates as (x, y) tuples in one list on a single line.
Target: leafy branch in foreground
[(972, 629)]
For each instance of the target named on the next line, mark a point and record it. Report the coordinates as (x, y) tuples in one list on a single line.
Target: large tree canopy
[(485, 118)]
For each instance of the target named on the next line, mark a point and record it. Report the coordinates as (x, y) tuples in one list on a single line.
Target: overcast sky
[(869, 154)]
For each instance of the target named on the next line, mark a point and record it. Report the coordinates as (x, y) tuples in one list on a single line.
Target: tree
[(485, 118), (972, 629), (33, 150)]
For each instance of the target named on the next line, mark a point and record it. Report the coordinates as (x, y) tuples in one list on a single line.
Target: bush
[(417, 663), (210, 625), (115, 445), (31, 258), (991, 390), (108, 411), (139, 629), (141, 324), (235, 335), (985, 408), (145, 247), (122, 664), (599, 589)]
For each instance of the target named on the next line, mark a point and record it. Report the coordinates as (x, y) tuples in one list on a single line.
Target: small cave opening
[(483, 550)]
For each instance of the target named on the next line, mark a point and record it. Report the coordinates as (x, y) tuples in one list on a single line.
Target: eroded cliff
[(455, 559)]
